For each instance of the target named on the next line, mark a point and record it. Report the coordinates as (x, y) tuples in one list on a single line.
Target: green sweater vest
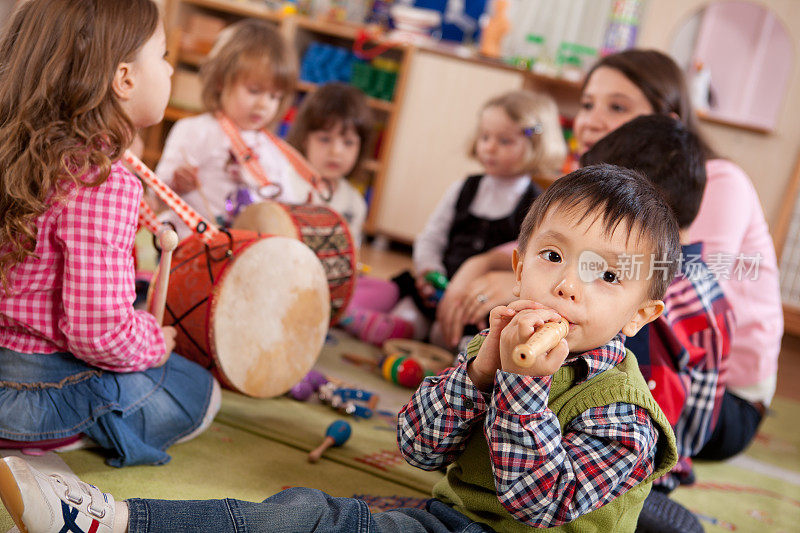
[(469, 484)]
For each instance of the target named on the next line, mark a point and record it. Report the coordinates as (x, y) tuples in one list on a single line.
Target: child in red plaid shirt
[(683, 354)]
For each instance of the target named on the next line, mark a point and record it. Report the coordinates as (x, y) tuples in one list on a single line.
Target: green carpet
[(226, 462), (729, 498), (258, 447), (778, 438), (372, 447)]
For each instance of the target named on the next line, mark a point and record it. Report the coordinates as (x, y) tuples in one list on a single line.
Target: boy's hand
[(518, 331), (185, 179), (483, 367)]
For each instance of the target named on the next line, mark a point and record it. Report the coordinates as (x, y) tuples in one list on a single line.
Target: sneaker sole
[(11, 496)]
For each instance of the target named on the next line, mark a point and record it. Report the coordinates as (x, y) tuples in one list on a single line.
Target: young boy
[(529, 447), (576, 438), (683, 354)]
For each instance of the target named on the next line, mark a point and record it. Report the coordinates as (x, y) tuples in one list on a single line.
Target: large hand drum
[(253, 309), (321, 229)]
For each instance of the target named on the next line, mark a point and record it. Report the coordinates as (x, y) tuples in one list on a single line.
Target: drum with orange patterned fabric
[(322, 229), (253, 309)]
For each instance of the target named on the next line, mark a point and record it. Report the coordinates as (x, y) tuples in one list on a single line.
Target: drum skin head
[(267, 217), (269, 316)]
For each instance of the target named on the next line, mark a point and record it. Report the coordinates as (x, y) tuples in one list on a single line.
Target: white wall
[(768, 159)]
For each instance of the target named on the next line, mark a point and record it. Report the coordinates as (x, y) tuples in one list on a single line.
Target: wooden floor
[(384, 263)]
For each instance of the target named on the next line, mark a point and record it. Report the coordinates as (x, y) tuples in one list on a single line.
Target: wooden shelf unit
[(427, 124), (375, 103)]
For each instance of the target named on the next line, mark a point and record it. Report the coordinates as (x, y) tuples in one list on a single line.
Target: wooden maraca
[(544, 339), (167, 240), (336, 435)]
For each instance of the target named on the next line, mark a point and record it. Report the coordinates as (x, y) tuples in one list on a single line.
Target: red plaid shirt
[(684, 355), (77, 294), (543, 477)]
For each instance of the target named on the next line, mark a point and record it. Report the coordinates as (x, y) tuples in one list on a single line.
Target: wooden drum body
[(253, 309), (321, 229)]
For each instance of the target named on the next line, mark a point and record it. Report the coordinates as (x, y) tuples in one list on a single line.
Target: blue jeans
[(295, 510), (134, 415)]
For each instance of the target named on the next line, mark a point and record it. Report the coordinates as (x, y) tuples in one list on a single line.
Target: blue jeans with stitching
[(295, 510)]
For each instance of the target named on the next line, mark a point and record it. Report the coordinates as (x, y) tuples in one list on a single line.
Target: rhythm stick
[(542, 341), (336, 435), (167, 241)]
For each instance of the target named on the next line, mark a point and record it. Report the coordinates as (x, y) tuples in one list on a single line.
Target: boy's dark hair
[(619, 195), (329, 105), (666, 152)]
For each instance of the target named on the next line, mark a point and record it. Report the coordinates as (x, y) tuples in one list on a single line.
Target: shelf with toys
[(239, 8), (424, 97), (375, 103), (192, 26)]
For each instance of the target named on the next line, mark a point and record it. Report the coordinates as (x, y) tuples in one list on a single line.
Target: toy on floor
[(306, 387), (344, 400), (432, 358), (336, 435), (396, 368), (542, 341), (337, 395), (406, 362)]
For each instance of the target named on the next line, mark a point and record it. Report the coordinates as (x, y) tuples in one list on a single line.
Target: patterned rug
[(259, 447)]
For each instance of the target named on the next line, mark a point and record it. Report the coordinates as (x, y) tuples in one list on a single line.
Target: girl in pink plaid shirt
[(77, 79)]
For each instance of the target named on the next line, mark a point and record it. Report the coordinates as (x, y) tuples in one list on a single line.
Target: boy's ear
[(516, 262), (648, 312), (122, 84)]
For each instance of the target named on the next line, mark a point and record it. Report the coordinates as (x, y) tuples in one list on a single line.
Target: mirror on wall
[(739, 58)]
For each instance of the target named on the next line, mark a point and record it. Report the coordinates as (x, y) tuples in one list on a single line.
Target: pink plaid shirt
[(77, 295)]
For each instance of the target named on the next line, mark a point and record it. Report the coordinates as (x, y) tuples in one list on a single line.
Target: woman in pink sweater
[(736, 242)]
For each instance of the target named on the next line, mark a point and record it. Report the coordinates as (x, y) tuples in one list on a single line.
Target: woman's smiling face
[(609, 100)]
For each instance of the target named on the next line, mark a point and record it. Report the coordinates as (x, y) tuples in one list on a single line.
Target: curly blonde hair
[(59, 118)]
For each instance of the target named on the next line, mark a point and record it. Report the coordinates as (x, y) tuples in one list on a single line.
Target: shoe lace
[(76, 490)]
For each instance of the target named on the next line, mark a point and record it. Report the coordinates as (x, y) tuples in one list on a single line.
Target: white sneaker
[(55, 503)]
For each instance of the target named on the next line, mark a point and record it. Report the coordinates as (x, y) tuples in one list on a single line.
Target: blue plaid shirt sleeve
[(433, 427), (544, 478)]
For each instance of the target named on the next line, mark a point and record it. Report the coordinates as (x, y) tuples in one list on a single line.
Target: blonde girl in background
[(77, 79), (518, 140), (248, 83), (332, 130)]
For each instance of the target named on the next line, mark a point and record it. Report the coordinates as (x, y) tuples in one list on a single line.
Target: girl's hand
[(483, 367), (426, 290), (169, 339), (518, 331), (185, 179), (470, 303)]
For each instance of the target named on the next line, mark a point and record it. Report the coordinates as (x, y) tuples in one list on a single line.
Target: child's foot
[(376, 328), (41, 503)]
